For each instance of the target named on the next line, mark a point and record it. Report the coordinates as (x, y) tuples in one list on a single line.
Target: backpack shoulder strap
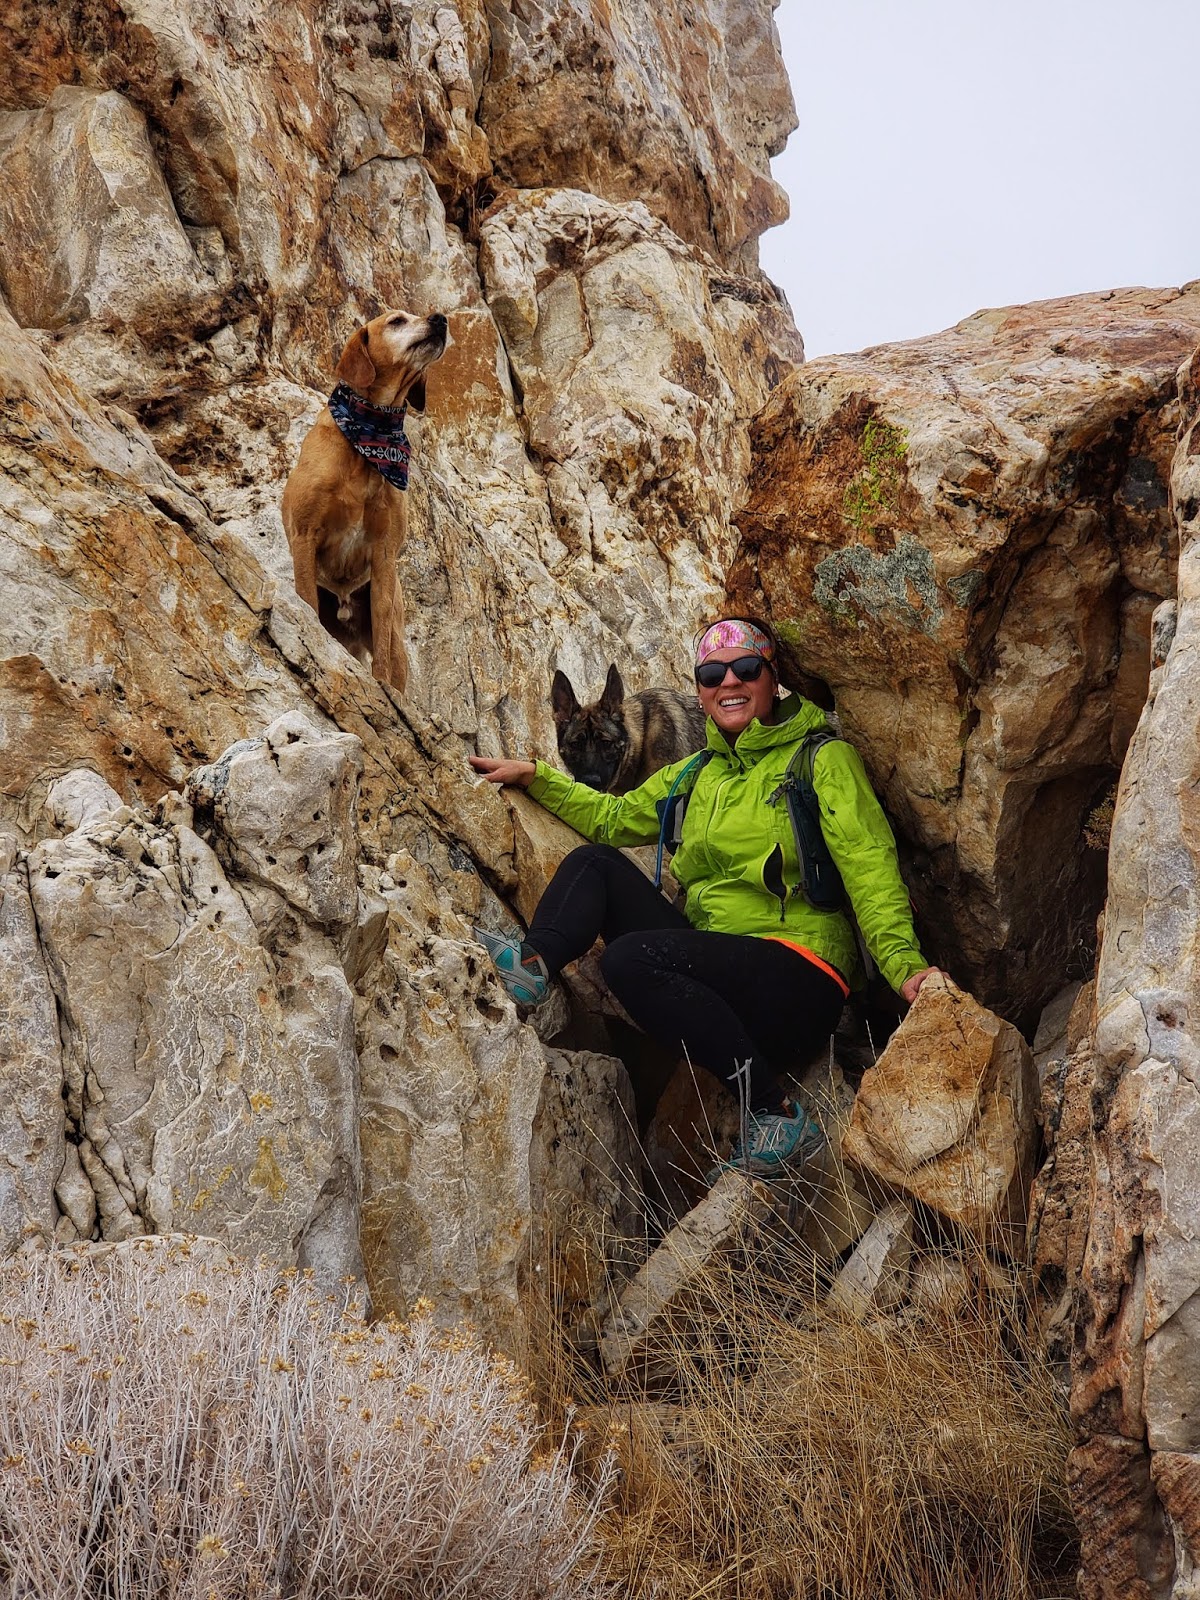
[(672, 808), (804, 760), (803, 796), (821, 882)]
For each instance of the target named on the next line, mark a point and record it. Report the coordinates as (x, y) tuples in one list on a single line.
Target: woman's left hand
[(910, 987)]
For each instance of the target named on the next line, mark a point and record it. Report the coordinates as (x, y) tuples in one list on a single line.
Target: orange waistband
[(810, 955)]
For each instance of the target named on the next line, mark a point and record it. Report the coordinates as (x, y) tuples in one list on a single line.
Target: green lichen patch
[(856, 584), (873, 490)]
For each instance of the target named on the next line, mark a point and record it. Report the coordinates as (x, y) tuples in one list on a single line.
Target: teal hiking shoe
[(773, 1145), (521, 970)]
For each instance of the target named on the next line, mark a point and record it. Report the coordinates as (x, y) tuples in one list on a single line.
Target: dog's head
[(592, 740), (386, 360)]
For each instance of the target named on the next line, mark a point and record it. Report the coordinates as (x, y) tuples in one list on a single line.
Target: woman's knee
[(585, 860), (583, 854)]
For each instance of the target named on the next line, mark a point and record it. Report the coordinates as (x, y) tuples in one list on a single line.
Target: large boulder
[(963, 537), (947, 1115)]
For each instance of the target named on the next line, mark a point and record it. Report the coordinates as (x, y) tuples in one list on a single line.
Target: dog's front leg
[(304, 565), (388, 659)]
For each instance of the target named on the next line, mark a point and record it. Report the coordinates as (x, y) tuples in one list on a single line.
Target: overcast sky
[(953, 154)]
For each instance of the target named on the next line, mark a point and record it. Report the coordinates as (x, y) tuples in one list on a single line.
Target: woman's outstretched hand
[(910, 986), (501, 770)]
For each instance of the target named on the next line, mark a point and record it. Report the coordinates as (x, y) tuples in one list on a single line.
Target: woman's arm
[(616, 819)]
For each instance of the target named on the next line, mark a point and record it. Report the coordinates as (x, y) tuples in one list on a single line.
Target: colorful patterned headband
[(736, 635)]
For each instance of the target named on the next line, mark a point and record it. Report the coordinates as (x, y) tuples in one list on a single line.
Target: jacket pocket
[(773, 880)]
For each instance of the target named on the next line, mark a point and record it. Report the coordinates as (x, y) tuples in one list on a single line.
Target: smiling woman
[(749, 977), (735, 687)]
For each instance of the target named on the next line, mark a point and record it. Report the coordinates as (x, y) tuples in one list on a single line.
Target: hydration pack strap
[(821, 882), (670, 812)]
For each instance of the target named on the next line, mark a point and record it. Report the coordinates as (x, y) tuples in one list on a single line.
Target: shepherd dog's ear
[(562, 699), (613, 697), (355, 366), (415, 398)]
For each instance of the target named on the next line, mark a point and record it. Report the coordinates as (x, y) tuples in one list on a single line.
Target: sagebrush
[(178, 1424)]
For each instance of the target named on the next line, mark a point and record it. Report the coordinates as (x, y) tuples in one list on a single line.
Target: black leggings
[(728, 998)]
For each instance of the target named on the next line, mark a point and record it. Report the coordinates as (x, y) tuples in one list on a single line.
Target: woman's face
[(734, 705)]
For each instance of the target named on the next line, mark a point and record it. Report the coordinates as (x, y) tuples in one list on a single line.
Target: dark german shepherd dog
[(619, 741)]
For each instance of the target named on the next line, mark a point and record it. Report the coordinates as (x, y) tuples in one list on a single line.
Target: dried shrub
[(774, 1447), (179, 1424)]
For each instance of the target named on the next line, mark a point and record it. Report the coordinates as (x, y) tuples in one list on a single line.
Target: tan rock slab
[(673, 1281), (876, 1276), (948, 1115)]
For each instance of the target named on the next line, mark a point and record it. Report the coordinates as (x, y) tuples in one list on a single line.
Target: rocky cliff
[(237, 875), (980, 546), (245, 997)]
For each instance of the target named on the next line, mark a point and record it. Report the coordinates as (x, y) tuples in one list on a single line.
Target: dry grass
[(176, 1424), (784, 1450)]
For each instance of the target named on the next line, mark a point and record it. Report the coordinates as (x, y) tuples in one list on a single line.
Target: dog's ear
[(355, 366), (613, 697), (415, 398), (562, 699)]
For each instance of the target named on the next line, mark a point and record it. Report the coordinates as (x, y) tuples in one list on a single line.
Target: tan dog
[(345, 521)]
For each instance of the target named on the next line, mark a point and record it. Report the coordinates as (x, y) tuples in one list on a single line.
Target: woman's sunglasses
[(746, 669)]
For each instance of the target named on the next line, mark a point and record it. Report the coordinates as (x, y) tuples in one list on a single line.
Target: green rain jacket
[(737, 861)]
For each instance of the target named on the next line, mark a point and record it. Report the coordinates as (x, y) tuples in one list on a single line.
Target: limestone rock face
[(606, 314), (680, 105), (95, 234), (31, 1122), (947, 1115), (344, 163), (1137, 1265), (197, 208), (210, 1082), (963, 537)]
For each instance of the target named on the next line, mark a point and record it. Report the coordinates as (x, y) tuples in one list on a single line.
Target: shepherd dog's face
[(592, 740)]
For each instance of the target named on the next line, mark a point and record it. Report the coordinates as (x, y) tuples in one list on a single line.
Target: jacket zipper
[(712, 811)]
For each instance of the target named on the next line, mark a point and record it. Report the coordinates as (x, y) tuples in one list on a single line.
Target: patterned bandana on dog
[(735, 635), (376, 432)]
